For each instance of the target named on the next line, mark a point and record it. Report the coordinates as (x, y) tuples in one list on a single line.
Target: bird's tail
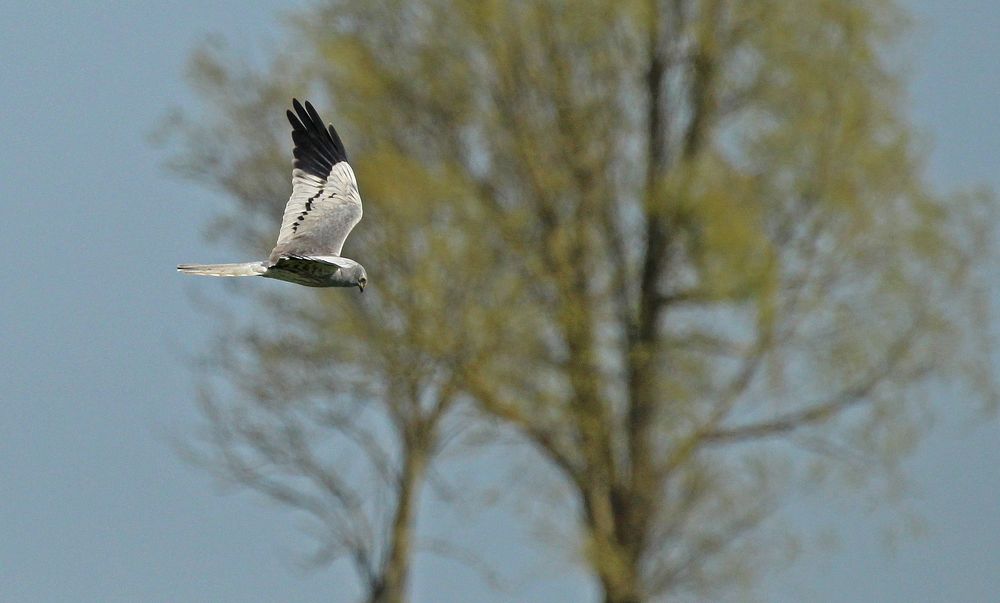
[(247, 269)]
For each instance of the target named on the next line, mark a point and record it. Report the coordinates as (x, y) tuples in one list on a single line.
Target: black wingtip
[(317, 146), (314, 115)]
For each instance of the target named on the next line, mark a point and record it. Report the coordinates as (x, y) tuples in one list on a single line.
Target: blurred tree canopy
[(683, 248)]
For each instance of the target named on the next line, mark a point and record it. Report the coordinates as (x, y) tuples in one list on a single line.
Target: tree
[(335, 406), (682, 240)]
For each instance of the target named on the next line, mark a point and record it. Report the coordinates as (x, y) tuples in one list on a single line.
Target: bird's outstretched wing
[(325, 204)]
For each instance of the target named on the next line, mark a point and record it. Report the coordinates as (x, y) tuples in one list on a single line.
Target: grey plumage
[(247, 269), (324, 207)]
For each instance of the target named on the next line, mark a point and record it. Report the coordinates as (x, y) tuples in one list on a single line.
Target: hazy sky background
[(95, 324)]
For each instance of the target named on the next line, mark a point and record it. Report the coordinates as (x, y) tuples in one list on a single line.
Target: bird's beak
[(362, 287)]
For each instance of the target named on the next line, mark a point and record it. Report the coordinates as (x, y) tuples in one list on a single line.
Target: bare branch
[(852, 395)]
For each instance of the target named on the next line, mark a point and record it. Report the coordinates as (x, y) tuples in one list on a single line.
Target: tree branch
[(819, 412)]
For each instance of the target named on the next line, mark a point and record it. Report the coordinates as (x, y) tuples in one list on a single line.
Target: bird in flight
[(324, 207)]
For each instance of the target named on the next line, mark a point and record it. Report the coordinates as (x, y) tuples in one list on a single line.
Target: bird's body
[(316, 271), (323, 209)]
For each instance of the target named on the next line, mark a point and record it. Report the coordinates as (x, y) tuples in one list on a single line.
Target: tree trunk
[(615, 565), (395, 573), (623, 587)]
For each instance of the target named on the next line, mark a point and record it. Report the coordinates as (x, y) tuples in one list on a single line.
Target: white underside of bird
[(311, 271)]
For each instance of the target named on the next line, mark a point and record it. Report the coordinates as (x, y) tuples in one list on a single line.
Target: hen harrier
[(324, 207)]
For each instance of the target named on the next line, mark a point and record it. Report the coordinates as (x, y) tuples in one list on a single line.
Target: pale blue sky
[(95, 505)]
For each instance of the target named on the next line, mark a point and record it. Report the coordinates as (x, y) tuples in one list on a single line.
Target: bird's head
[(361, 278)]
